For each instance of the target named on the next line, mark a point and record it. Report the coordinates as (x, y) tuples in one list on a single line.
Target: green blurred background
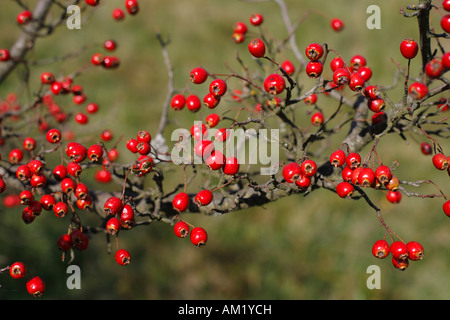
[(314, 247)]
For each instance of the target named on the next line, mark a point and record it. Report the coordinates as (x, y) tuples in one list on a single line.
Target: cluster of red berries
[(240, 28), (141, 145), (401, 253), (445, 19), (197, 235), (131, 6), (300, 174), (35, 285)]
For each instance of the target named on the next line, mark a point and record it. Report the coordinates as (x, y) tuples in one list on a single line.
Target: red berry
[(181, 201), (4, 55), (81, 118), (113, 226), (347, 173), (23, 172), (17, 270), (337, 158), (127, 218), (256, 19), (341, 76), (81, 191), (181, 229), (122, 257), (53, 136), (132, 6), (434, 68), (178, 102), (24, 17), (291, 172), (383, 174), (399, 250), (353, 160), (380, 249), (445, 23), (337, 63), (80, 240), (314, 69), (440, 161), (231, 166), (199, 237), (337, 24), (415, 251), (426, 148), (67, 185), (409, 48), (95, 153), (357, 61), (36, 286), (311, 99), (365, 72), (26, 196), (274, 84), (212, 120), (198, 75), (218, 87), (60, 209), (204, 148), (400, 264), (48, 201), (64, 242), (446, 60), (317, 119), (211, 101), (446, 208), (366, 177), (446, 5), (376, 105), (112, 206), (314, 51), (418, 90), (257, 48), (356, 82), (394, 196), (204, 198), (193, 103), (216, 160), (344, 189), (288, 66), (308, 168), (93, 2), (110, 45)]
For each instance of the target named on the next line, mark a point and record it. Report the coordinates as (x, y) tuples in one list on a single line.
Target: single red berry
[(26, 196), (231, 166), (409, 48), (418, 90), (381, 249), (64, 242), (60, 209), (193, 103), (67, 185), (399, 250), (357, 61), (257, 48), (291, 172), (126, 217), (400, 264), (240, 27), (337, 158), (311, 99), (93, 2), (415, 251), (337, 24), (97, 59), (80, 240), (365, 72), (308, 168), (204, 148), (376, 105), (36, 286), (238, 37), (17, 270), (198, 75), (218, 87), (341, 76), (178, 102), (344, 189), (445, 23), (198, 131), (181, 201), (123, 257), (110, 45), (314, 51), (23, 172), (60, 172), (48, 201), (303, 182), (85, 203), (371, 92), (446, 208), (314, 69), (95, 153), (81, 191), (366, 177), (446, 5), (53, 136), (337, 63), (132, 6), (288, 66), (199, 236), (216, 160), (181, 229), (383, 174), (212, 120), (204, 198), (112, 206), (393, 183), (434, 68), (24, 17), (347, 173), (81, 118), (118, 14), (47, 78), (356, 82), (440, 161), (211, 101), (317, 119), (38, 180), (274, 84), (353, 160), (56, 87), (113, 226), (426, 148), (4, 55), (446, 59), (394, 196), (256, 19)]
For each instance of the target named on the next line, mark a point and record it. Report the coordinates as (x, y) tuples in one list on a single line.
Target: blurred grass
[(314, 247)]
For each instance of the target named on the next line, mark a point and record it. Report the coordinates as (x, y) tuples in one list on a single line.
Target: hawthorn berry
[(92, 2), (218, 87), (314, 51), (122, 257), (415, 251), (203, 198), (357, 61), (36, 286), (317, 119), (38, 180), (274, 84), (212, 120), (211, 101), (257, 48), (118, 14), (356, 82), (288, 66), (308, 168), (193, 103), (112, 206), (353, 160), (199, 236), (132, 6), (231, 166), (341, 76), (181, 201), (15, 156), (24, 17), (303, 182), (446, 5), (376, 105), (113, 226), (198, 75), (409, 48), (337, 63), (383, 174), (445, 23), (64, 242), (418, 90), (67, 185), (53, 135), (97, 59), (181, 229), (314, 69), (337, 24), (426, 148), (394, 196), (365, 72), (23, 172), (80, 240), (344, 189), (446, 208), (126, 217), (17, 270), (256, 19), (240, 27), (47, 78), (311, 99), (400, 264), (216, 160), (366, 177), (445, 60), (81, 191), (440, 161), (60, 172), (26, 196), (4, 55), (399, 250), (347, 174), (380, 249), (60, 209), (95, 153), (48, 201), (178, 102), (434, 68), (203, 148), (291, 172), (337, 158)]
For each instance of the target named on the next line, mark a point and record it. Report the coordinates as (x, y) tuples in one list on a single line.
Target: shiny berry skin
[(211, 101), (399, 250), (67, 185), (113, 226), (60, 209), (126, 217), (446, 5), (47, 78), (132, 6), (357, 61), (15, 156), (366, 177), (238, 37), (344, 189), (231, 166), (314, 51), (112, 206), (38, 180), (216, 160), (311, 99), (383, 174), (24, 17), (47, 201), (17, 270), (218, 87), (81, 191), (337, 63), (64, 242), (380, 249), (446, 208), (376, 105), (341, 76), (353, 160), (445, 60), (314, 69), (26, 196), (303, 182), (204, 148), (193, 103), (440, 161), (178, 102), (426, 148), (317, 119), (415, 251), (203, 198), (394, 196), (291, 172), (4, 55), (288, 66), (445, 23), (337, 158), (257, 48), (23, 172), (400, 264), (199, 236), (337, 24), (95, 153), (365, 72), (122, 257), (418, 90), (53, 136), (181, 201), (36, 286), (356, 82), (274, 84), (198, 75), (212, 120), (434, 68), (60, 172), (256, 19), (347, 173), (92, 2), (409, 48), (308, 168), (181, 229), (81, 118)]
